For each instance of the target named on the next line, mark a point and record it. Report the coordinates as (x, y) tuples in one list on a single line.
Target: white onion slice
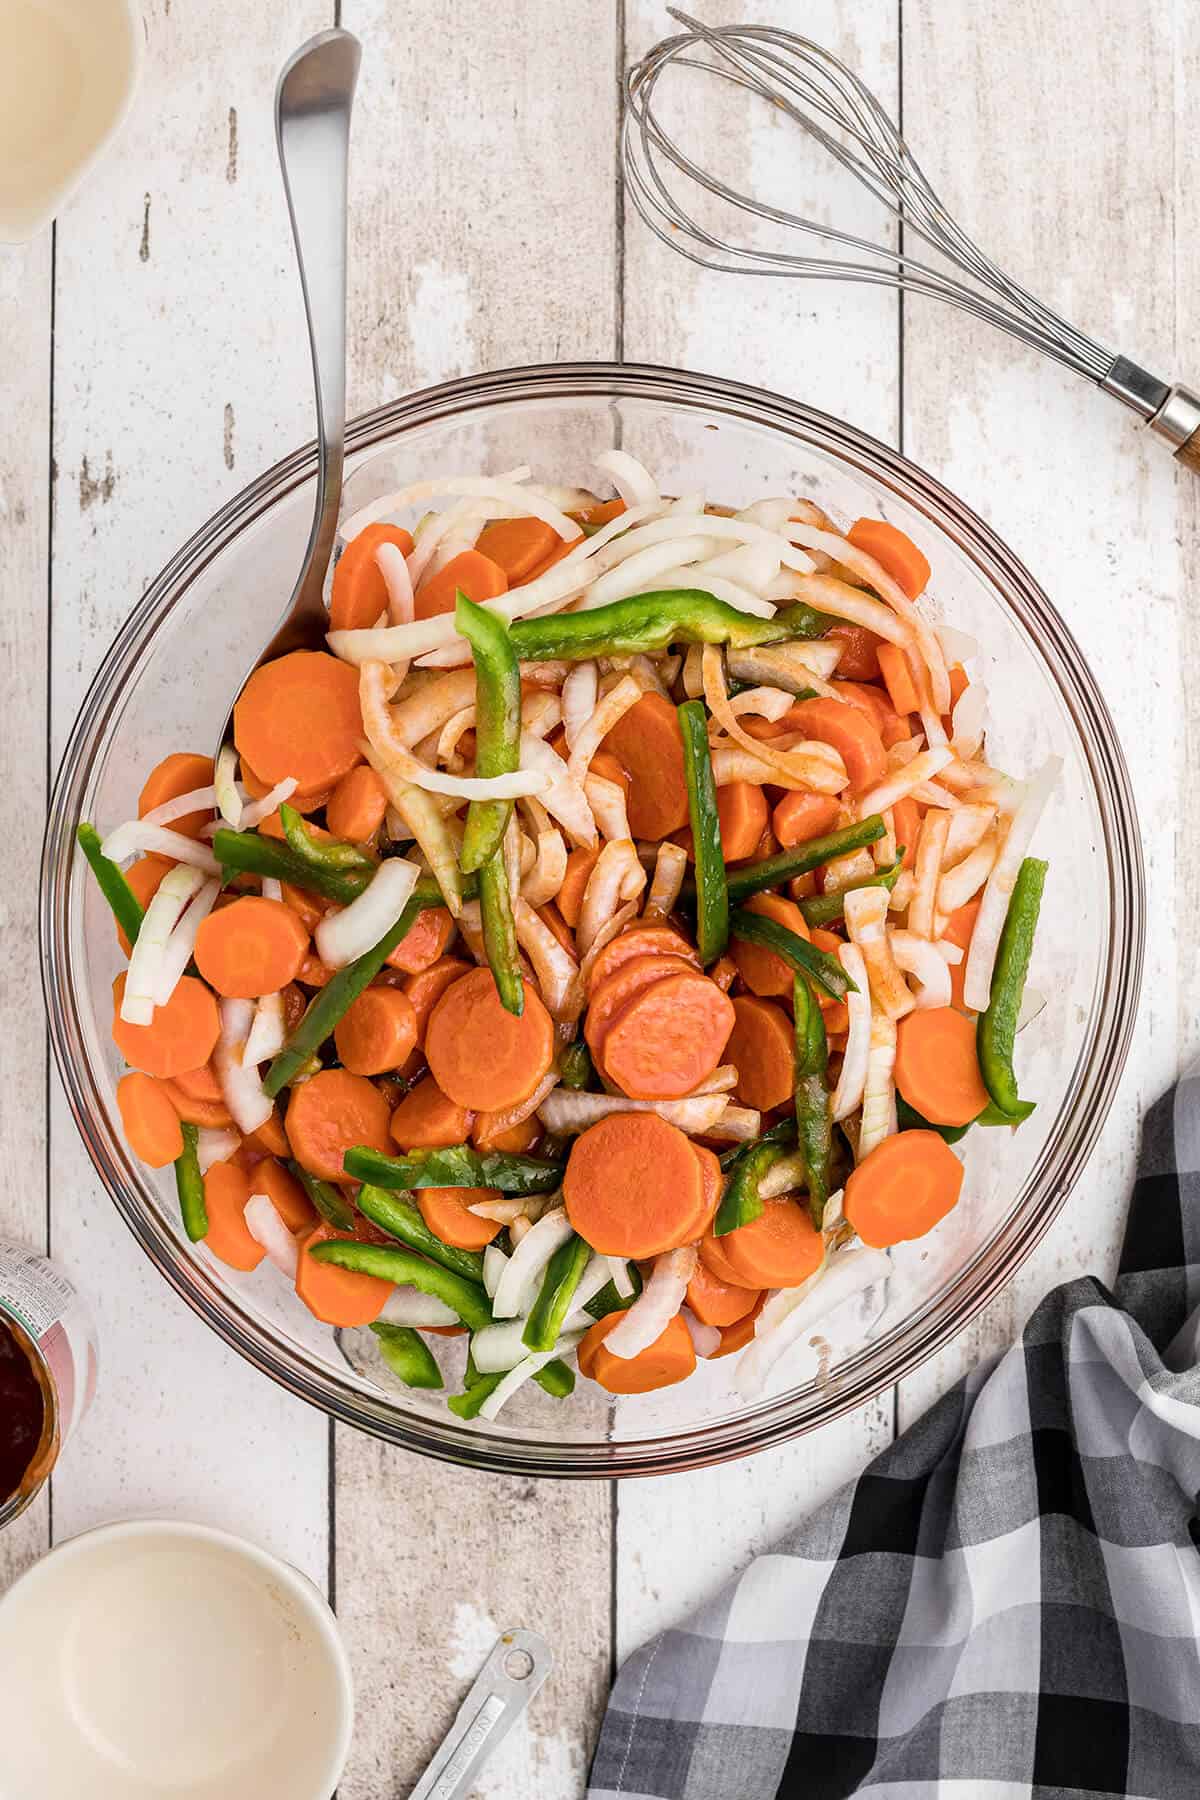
[(617, 879), (524, 1370), (136, 834), (675, 580), (618, 1269), (198, 800), (579, 693), (216, 1144), (879, 1093), (993, 909), (506, 488), (772, 513), (566, 1110), (497, 1348), (770, 703), (751, 566), (177, 951), (903, 780), (608, 712), (255, 811), (422, 820), (556, 972), (267, 1228), (495, 1261), (916, 956), (656, 1305), (345, 934), (969, 721), (409, 1306), (267, 1031), (632, 479), (230, 803), (737, 1124), (607, 801), (962, 883), (706, 1339), (848, 1094), (240, 1086), (643, 573), (147, 959), (670, 867), (969, 825), (927, 869), (957, 646), (595, 1277), (517, 1288), (865, 911), (271, 889), (847, 1274), (563, 797)]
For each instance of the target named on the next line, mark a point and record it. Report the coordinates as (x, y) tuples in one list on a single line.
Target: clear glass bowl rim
[(1109, 1030)]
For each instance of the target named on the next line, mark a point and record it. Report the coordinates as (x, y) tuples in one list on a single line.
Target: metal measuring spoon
[(517, 1665)]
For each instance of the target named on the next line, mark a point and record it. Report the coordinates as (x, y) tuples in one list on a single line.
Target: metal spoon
[(313, 102)]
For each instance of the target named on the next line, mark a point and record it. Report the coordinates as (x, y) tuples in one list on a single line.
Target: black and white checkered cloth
[(1006, 1604)]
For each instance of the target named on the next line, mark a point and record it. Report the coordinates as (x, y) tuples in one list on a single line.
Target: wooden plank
[(481, 235), (1062, 154), (834, 348), (25, 276), (181, 368)]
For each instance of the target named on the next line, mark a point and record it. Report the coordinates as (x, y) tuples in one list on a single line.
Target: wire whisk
[(837, 110)]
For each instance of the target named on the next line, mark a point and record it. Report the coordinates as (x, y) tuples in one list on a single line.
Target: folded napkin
[(1005, 1604)]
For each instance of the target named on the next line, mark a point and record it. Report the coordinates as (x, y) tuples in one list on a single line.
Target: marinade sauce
[(24, 1416), (48, 1371)]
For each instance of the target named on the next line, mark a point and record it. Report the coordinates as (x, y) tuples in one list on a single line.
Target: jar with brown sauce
[(47, 1371)]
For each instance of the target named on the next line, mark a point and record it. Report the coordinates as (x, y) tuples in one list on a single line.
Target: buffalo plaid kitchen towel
[(1006, 1604)]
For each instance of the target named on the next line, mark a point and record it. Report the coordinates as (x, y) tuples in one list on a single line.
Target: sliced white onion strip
[(644, 572), (525, 1109), (267, 1228), (556, 972), (958, 885), (736, 1125), (506, 488), (346, 933), (656, 1305), (517, 1377), (216, 1144), (579, 694), (865, 911), (817, 765), (409, 1306), (848, 1094), (495, 1261), (770, 703), (255, 811), (225, 788), (618, 1269), (607, 801), (544, 879), (135, 835), (632, 479), (917, 957), (596, 1276), (497, 1348), (843, 871), (271, 889), (968, 721), (563, 797), (847, 1274), (240, 1086), (903, 780), (788, 1173), (969, 825), (670, 867), (517, 1288), (607, 713), (503, 1212), (879, 1092), (146, 962), (427, 824), (843, 602), (566, 1110), (993, 909), (617, 878), (706, 1339), (267, 1031), (198, 800), (927, 869), (753, 566), (177, 951), (605, 935)]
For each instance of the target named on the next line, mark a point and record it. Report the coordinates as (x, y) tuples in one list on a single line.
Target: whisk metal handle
[(1178, 420)]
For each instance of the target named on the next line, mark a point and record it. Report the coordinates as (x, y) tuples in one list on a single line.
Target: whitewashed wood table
[(154, 361)]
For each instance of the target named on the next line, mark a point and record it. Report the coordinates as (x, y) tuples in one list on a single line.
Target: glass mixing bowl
[(167, 683)]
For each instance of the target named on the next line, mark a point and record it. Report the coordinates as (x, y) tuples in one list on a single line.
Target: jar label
[(51, 1311)]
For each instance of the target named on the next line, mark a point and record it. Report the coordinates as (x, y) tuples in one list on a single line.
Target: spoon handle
[(313, 103)]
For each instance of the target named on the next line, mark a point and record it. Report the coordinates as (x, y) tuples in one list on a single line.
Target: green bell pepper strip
[(127, 908), (401, 1219), (712, 894), (814, 1126), (497, 725), (249, 854), (909, 1119), (408, 1355), (752, 878), (562, 1277), (555, 1378), (740, 1203), (575, 1066), (797, 952), (996, 1031), (609, 1301), (782, 1132), (189, 1185), (827, 909), (649, 622), (314, 854), (333, 1000), (389, 1263), (458, 1165), (331, 1204), (500, 933)]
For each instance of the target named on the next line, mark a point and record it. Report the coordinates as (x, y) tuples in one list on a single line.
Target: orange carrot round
[(151, 1123), (902, 1188), (308, 907), (482, 1056), (937, 1067), (763, 972), (514, 1140), (181, 1035), (742, 816), (226, 1191), (633, 1186), (299, 716), (670, 1358), (518, 546), (175, 775), (878, 708), (270, 1139), (477, 576), (629, 979), (780, 1248), (894, 551), (851, 733), (580, 864), (424, 942), (799, 817), (357, 805), (445, 1211), (426, 1119), (561, 549), (957, 930), (144, 877), (716, 1302), (906, 821), (200, 1084), (359, 594), (605, 764), (737, 1336), (859, 660), (717, 1263), (252, 947), (338, 1296), (328, 1114), (195, 1111), (763, 1050), (898, 679), (647, 742), (284, 1192), (377, 1032), (668, 1038), (550, 915), (639, 941), (426, 987)]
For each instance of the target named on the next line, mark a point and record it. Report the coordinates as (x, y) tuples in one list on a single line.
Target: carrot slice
[(426, 987), (724, 972), (181, 1035), (712, 1184), (851, 733), (517, 545), (957, 930), (359, 594), (906, 824), (737, 1336), (633, 1186), (717, 1263), (175, 775), (937, 1067), (251, 947), (308, 907), (424, 942), (200, 1084), (337, 1296), (670, 1358), (780, 1248), (550, 915), (482, 1056), (605, 764), (647, 741), (668, 1038), (377, 1032), (285, 1194), (742, 816), (859, 660), (640, 940), (357, 805), (629, 979), (580, 864), (902, 1188), (799, 817), (898, 679), (226, 1191), (270, 1138), (426, 1119), (715, 1302), (144, 877), (299, 716), (556, 555), (875, 704), (763, 972), (894, 551), (329, 1113), (514, 1141), (763, 1050), (313, 972), (477, 576), (445, 1212), (151, 1122), (960, 681), (194, 1111)]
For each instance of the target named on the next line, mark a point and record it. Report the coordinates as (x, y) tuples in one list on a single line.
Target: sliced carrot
[(201, 1083), (715, 1302), (313, 972), (308, 907), (957, 930), (906, 823), (724, 972), (717, 1263), (742, 816), (763, 972), (150, 1120), (299, 716), (937, 1068), (874, 702), (633, 1186), (212, 1113), (426, 987), (580, 864), (518, 545), (799, 817), (612, 995), (427, 1120), (605, 764), (737, 1336), (550, 915), (668, 1038), (329, 1113), (712, 1184), (176, 775), (181, 1035), (669, 1359), (477, 576), (851, 733), (359, 594), (859, 660), (424, 942), (482, 1056), (514, 1141), (639, 940), (144, 877), (556, 555), (647, 741), (285, 1193), (803, 887), (357, 805), (762, 1048), (252, 947), (894, 551), (898, 679), (902, 1188), (226, 1191), (960, 681), (445, 1211), (780, 1248), (377, 1032), (338, 1296), (270, 1138)]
